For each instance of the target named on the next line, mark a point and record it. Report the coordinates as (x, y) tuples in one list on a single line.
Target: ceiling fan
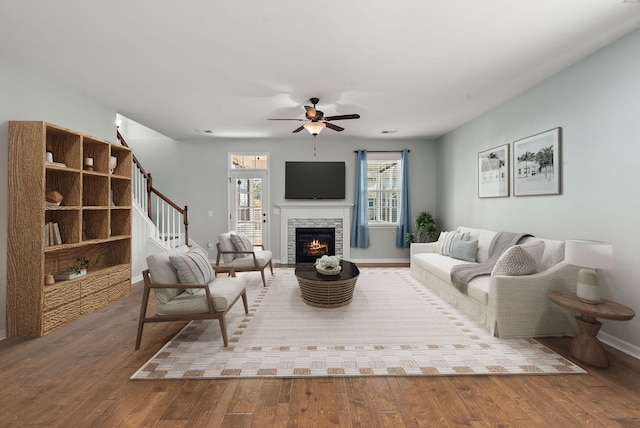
[(316, 120)]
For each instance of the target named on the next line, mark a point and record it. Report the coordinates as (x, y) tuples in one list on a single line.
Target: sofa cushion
[(478, 288), (162, 272), (437, 264), (464, 250), (553, 252), (224, 239), (262, 257), (193, 268), (484, 238), (522, 259), (241, 243), (223, 291)]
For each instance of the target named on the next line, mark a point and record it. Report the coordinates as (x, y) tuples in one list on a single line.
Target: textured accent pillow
[(241, 243), (193, 268), (519, 260), (464, 250)]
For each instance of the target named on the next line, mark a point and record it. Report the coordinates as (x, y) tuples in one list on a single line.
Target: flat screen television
[(314, 180)]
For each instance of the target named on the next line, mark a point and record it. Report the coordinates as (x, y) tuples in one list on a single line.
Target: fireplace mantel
[(299, 211)]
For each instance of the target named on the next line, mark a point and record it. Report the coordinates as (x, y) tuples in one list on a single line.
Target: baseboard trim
[(3, 334), (620, 345)]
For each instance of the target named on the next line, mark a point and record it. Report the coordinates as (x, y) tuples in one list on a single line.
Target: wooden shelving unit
[(94, 221)]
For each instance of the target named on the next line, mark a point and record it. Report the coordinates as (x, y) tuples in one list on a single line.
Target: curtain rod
[(381, 151)]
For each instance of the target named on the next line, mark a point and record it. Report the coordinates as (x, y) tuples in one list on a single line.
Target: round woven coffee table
[(327, 291)]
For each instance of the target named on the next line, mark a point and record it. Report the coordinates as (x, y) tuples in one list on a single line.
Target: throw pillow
[(464, 250), (241, 243), (193, 268), (443, 246), (519, 260)]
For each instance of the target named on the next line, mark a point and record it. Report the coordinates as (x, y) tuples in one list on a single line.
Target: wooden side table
[(585, 346)]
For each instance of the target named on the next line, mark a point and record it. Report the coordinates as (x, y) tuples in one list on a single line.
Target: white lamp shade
[(590, 254), (314, 128)]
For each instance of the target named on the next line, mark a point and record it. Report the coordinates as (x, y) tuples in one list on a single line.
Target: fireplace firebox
[(314, 242)]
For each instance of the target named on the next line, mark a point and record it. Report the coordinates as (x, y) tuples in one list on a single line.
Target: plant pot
[(69, 275)]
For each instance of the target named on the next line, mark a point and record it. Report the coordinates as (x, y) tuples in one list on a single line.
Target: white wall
[(29, 95), (597, 103), (195, 173)]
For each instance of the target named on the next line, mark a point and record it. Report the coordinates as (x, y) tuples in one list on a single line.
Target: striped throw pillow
[(193, 268), (241, 243)]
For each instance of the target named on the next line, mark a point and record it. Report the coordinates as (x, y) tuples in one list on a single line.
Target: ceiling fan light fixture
[(314, 128)]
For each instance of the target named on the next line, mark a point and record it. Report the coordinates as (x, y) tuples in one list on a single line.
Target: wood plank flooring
[(78, 376)]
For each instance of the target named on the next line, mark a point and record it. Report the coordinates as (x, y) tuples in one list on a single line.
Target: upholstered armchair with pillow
[(186, 288), (236, 251)]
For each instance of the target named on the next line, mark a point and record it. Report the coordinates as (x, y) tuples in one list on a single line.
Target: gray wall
[(195, 172), (29, 95), (596, 102)]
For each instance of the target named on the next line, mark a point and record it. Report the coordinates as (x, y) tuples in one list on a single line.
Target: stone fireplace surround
[(309, 214)]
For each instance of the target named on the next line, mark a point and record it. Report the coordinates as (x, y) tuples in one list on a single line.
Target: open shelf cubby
[(66, 182), (95, 224), (95, 190), (121, 192)]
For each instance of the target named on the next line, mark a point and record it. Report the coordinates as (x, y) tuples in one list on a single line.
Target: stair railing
[(171, 221)]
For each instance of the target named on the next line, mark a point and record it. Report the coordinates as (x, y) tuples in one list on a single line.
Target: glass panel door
[(248, 199)]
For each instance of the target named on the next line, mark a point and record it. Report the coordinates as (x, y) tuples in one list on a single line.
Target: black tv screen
[(314, 180)]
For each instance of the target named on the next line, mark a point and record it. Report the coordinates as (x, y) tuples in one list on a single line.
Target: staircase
[(169, 223)]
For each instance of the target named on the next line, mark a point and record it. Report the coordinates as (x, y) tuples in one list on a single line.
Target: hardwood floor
[(78, 376)]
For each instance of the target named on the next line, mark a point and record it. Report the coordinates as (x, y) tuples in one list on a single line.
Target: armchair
[(237, 252), (170, 273)]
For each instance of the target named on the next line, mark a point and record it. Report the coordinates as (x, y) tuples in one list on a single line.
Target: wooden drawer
[(94, 301), (118, 291), (60, 293), (93, 284), (61, 315), (120, 275)]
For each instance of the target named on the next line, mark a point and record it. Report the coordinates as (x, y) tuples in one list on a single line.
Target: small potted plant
[(426, 230), (79, 268)]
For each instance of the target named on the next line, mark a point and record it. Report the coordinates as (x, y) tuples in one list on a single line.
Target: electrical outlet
[(210, 213), (209, 245)]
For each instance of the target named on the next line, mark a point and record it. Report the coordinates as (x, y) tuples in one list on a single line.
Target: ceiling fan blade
[(299, 120), (334, 127), (298, 129), (343, 116), (311, 112)]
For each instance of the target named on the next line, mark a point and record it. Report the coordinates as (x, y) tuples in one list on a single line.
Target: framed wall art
[(536, 164), (493, 172)]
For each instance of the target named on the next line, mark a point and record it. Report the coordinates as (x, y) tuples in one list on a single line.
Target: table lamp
[(590, 255)]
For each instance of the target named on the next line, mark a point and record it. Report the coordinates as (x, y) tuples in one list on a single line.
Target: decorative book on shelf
[(52, 234)]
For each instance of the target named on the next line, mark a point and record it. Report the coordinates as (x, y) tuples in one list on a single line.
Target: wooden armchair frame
[(255, 268), (212, 314)]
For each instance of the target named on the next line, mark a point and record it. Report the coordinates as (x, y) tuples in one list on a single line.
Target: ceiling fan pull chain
[(314, 146)]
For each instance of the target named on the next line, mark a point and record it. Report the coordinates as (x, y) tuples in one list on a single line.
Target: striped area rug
[(393, 327)]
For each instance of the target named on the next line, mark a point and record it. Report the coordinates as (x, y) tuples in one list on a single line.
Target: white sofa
[(507, 306)]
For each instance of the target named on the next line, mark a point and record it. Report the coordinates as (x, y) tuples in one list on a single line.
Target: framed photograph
[(536, 164), (493, 172)]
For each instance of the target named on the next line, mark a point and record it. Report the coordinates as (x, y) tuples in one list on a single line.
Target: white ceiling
[(420, 67)]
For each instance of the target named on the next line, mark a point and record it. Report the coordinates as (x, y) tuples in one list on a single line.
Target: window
[(383, 177), (249, 161)]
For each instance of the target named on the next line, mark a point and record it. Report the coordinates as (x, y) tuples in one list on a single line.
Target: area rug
[(393, 327)]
